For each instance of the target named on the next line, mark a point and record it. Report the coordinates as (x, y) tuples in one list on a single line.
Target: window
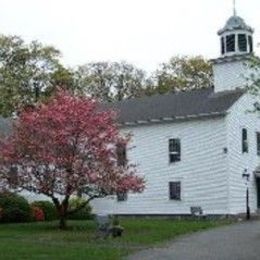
[(258, 143), (222, 45), (242, 42), (250, 42), (230, 41), (244, 141), (121, 196), (174, 150), (175, 190), (121, 155)]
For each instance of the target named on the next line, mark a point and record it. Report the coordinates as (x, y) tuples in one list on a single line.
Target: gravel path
[(236, 242)]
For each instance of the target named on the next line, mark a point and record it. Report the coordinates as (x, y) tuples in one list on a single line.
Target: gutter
[(173, 119)]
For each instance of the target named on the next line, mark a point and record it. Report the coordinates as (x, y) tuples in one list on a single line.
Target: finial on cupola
[(234, 8)]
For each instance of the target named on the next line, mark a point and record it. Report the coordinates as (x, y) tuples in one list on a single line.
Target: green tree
[(110, 81), (181, 73), (253, 78), (63, 78), (26, 71)]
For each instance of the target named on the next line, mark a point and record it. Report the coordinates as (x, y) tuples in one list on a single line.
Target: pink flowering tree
[(65, 147)]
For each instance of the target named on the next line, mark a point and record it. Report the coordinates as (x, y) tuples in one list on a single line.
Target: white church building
[(195, 148)]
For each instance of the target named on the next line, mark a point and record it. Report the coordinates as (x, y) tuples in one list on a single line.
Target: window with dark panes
[(222, 45), (174, 150), (242, 42), (121, 196), (250, 43), (230, 42), (121, 155), (258, 143), (175, 190), (244, 141)]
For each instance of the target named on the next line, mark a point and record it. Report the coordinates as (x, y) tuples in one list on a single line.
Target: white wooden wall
[(202, 170), (241, 117), (230, 75)]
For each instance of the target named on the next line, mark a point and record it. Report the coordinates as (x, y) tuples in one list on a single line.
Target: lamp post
[(246, 176)]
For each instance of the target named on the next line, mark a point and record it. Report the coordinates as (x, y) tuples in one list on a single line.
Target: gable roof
[(173, 106)]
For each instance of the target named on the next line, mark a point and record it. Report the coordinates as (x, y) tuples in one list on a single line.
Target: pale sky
[(143, 32)]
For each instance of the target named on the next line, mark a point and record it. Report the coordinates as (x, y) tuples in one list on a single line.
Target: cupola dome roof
[(235, 23)]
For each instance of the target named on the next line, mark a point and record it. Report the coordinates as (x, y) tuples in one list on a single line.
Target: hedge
[(14, 208)]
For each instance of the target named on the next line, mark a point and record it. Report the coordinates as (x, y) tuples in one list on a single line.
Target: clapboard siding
[(229, 75), (202, 169), (238, 118)]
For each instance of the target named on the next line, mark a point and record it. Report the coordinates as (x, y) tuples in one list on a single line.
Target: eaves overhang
[(173, 119)]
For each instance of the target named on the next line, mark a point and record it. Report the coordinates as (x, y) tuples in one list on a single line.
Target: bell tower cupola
[(236, 37), (236, 47)]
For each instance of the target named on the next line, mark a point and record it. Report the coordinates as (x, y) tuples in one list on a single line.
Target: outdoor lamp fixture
[(246, 176)]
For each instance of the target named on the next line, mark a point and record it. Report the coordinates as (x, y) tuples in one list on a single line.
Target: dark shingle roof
[(194, 103)]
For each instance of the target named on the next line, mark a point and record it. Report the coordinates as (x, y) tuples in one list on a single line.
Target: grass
[(45, 241)]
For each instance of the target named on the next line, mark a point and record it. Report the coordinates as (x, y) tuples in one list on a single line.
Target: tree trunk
[(63, 222), (60, 213), (63, 212)]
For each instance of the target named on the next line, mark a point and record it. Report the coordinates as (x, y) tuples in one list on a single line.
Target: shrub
[(37, 214), (48, 209), (14, 208), (82, 214)]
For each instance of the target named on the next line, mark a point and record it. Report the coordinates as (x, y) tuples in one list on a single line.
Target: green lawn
[(45, 241)]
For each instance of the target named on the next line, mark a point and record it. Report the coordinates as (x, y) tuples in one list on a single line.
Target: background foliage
[(30, 72), (82, 214)]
